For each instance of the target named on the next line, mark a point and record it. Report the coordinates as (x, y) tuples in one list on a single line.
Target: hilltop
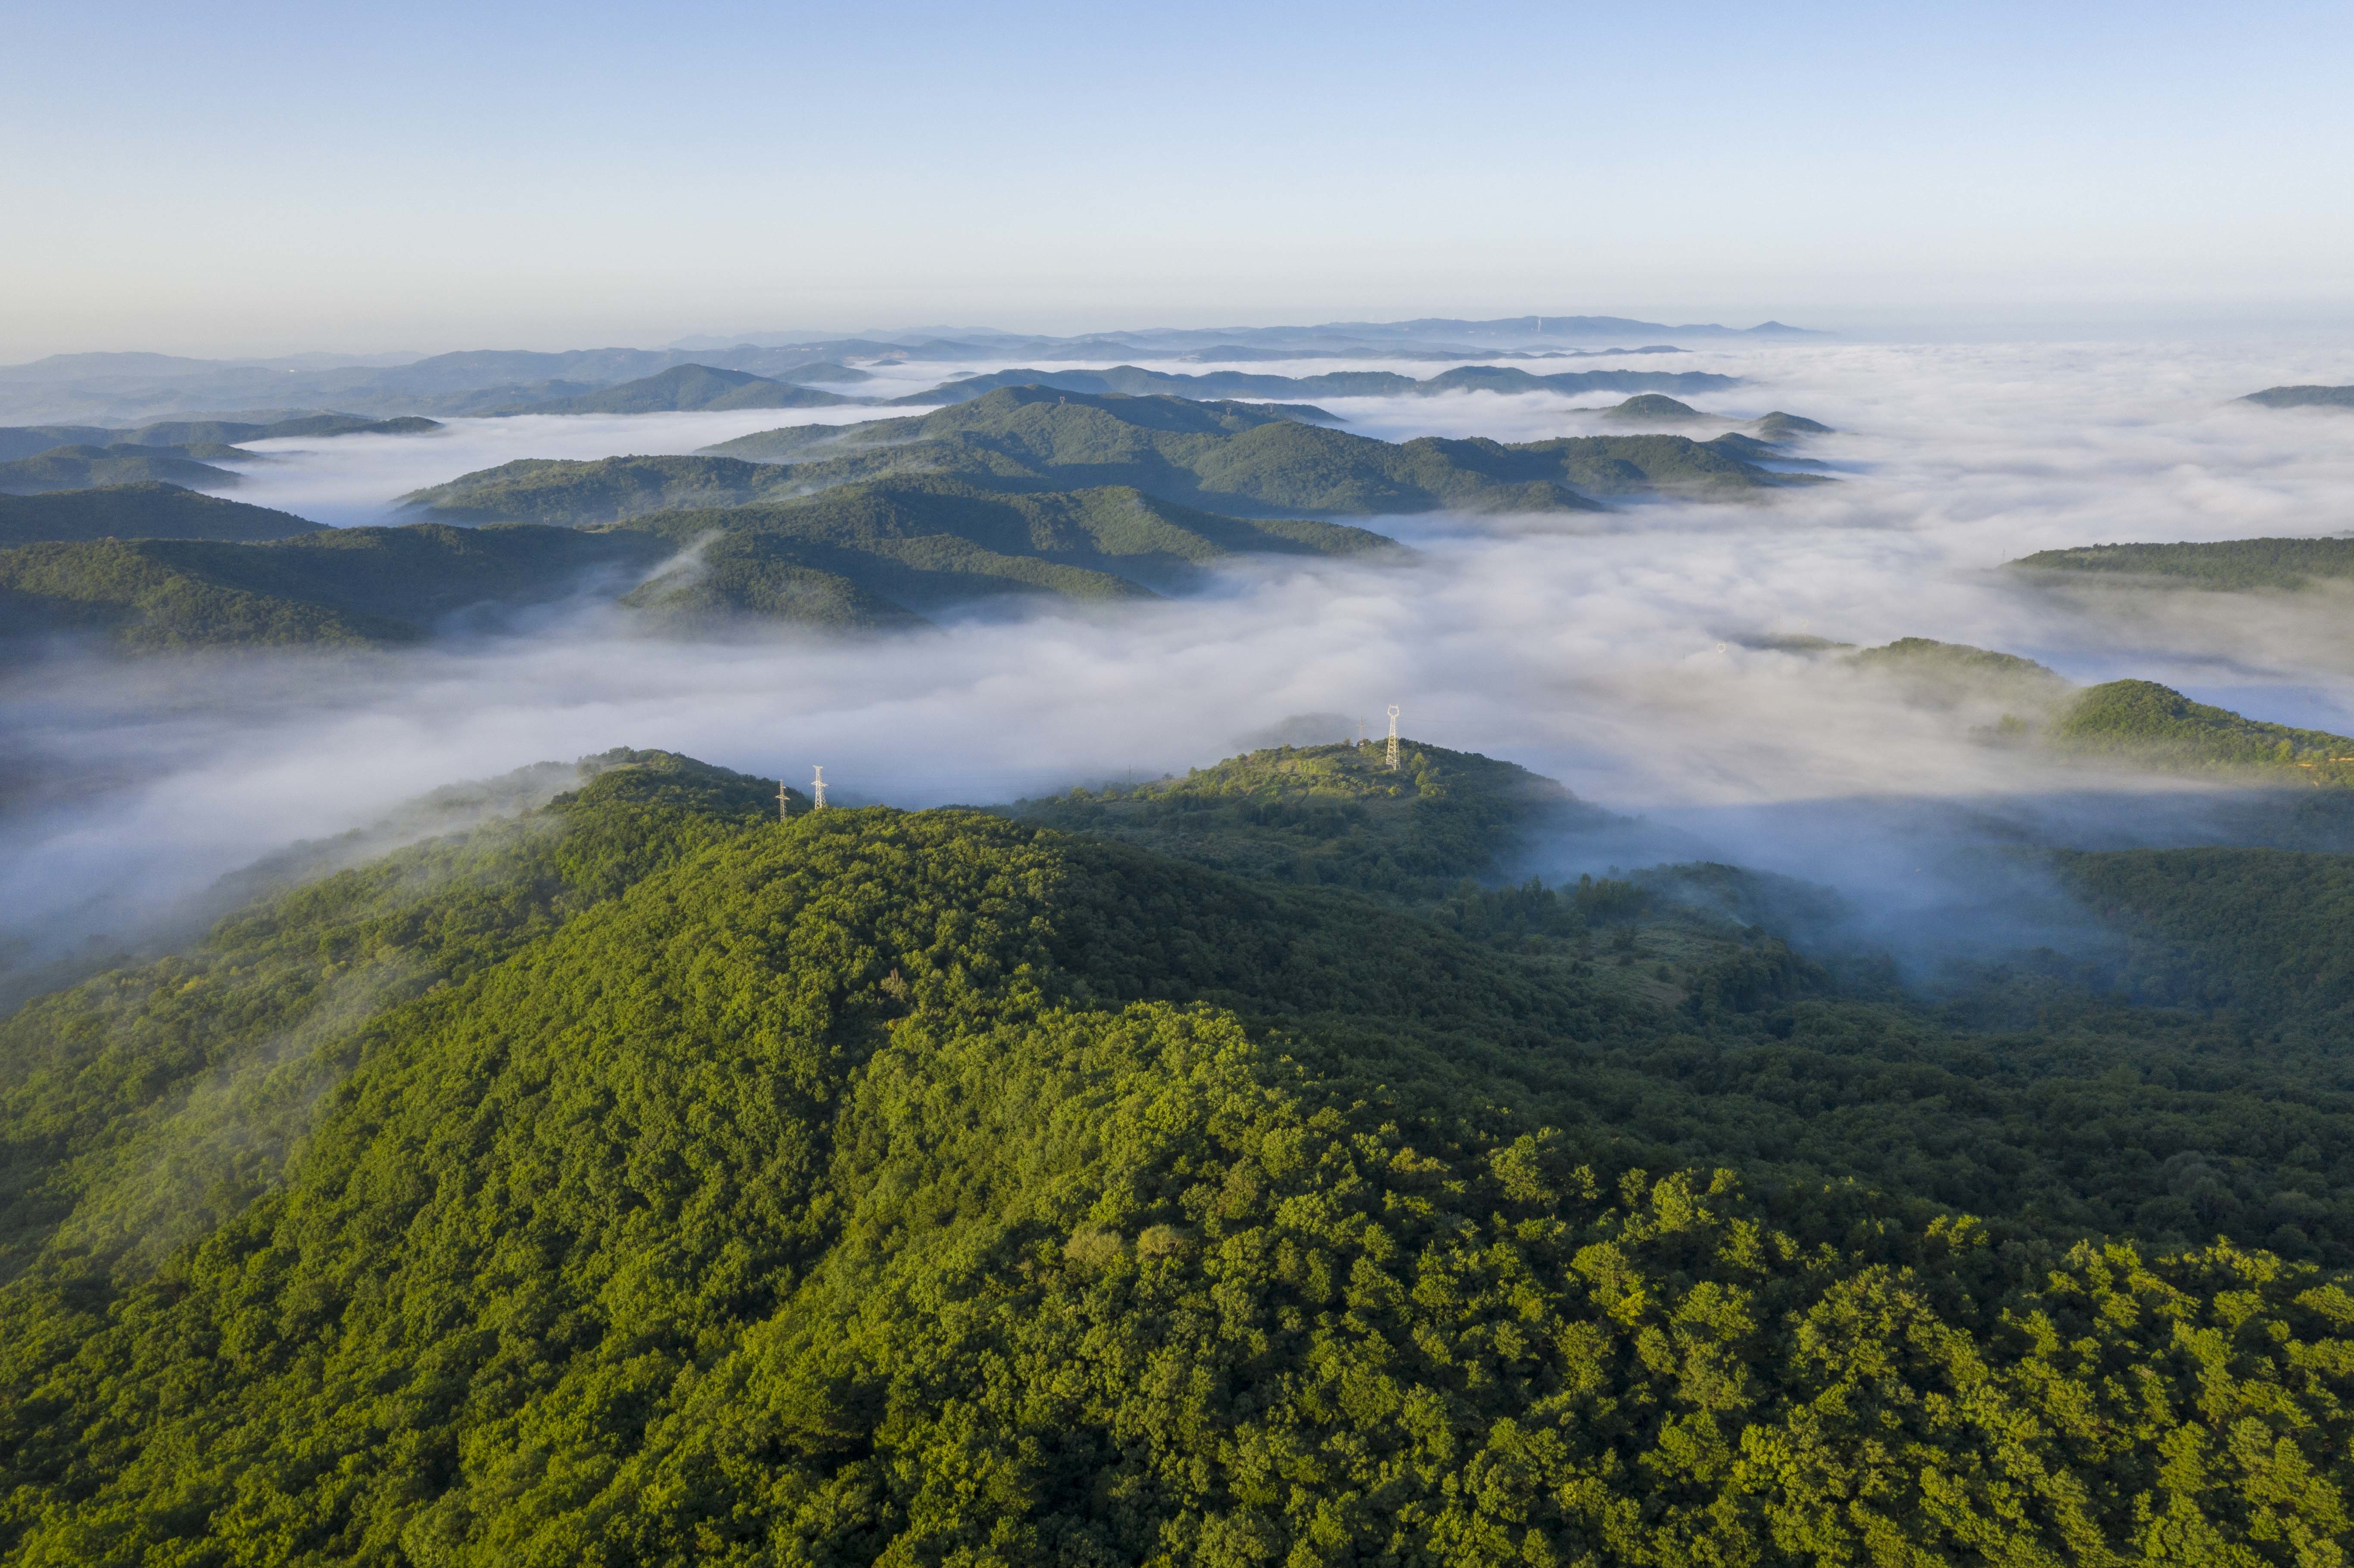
[(2140, 722), (2228, 566), (643, 1178), (150, 510), (2303, 397)]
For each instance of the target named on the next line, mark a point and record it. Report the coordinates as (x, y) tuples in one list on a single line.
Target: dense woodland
[(1239, 1169)]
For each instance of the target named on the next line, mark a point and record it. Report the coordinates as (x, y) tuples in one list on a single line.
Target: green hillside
[(1230, 458), (688, 386), (336, 588), (2227, 566), (89, 468), (1778, 425), (151, 510), (642, 1180), (857, 557), (2303, 397), (920, 545)]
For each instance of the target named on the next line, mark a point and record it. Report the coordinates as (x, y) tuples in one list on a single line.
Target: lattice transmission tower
[(817, 792), (784, 801), (1393, 737)]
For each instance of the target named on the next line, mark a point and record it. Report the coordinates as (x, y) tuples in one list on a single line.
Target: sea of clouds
[(1643, 655)]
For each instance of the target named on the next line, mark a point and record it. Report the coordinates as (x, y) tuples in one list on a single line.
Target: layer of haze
[(1630, 654), (257, 177)]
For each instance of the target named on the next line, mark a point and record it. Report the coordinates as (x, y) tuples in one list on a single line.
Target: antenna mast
[(1393, 737), (817, 792)]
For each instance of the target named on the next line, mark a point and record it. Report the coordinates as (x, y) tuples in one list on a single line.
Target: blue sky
[(268, 178)]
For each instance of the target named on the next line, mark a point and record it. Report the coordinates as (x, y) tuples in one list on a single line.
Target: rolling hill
[(89, 468), (335, 587), (2137, 722), (2303, 397), (27, 441), (858, 557), (150, 510), (1233, 457), (2227, 566), (688, 386), (644, 1179)]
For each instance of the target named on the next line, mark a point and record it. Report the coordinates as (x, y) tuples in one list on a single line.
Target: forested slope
[(151, 510), (937, 1187), (857, 557)]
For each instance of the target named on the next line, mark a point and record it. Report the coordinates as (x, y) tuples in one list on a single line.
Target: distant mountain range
[(140, 387), (1239, 459)]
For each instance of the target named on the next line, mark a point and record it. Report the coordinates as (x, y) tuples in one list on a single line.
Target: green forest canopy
[(642, 1179)]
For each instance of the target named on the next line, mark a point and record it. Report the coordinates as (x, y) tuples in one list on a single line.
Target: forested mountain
[(88, 467), (335, 587), (151, 510), (644, 1179), (2303, 397), (861, 556), (925, 544), (1238, 457), (1134, 381), (684, 386), (2227, 565)]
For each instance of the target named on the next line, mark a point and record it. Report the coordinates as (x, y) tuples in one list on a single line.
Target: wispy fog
[(1643, 656)]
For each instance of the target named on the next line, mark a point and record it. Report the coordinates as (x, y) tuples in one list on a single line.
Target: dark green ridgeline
[(1225, 458), (2226, 566), (89, 467), (688, 386), (147, 511), (26, 441), (345, 588), (860, 558), (642, 1180)]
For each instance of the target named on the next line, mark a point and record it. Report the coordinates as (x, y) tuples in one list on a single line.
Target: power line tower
[(817, 792), (1393, 737), (784, 801)]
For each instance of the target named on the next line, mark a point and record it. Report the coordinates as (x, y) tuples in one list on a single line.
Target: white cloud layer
[(1616, 651)]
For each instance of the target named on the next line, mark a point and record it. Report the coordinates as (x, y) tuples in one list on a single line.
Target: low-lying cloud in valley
[(1652, 657)]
